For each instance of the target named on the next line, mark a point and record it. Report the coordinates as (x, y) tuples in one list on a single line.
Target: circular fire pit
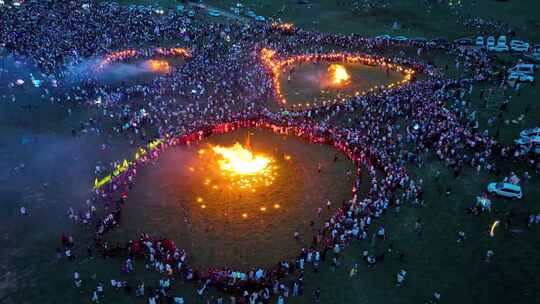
[(237, 199)]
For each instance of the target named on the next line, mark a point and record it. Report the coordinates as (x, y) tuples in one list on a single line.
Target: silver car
[(505, 190)]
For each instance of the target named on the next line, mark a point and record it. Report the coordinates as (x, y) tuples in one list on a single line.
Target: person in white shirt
[(401, 277), (95, 298), (178, 300)]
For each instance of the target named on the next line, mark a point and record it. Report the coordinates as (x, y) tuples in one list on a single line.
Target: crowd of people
[(223, 86)]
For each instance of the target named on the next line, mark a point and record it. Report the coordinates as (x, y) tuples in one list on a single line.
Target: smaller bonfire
[(339, 75)]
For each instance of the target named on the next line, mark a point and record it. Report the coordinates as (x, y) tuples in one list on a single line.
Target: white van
[(501, 41), (523, 68), (522, 77), (480, 41), (519, 46), (490, 43)]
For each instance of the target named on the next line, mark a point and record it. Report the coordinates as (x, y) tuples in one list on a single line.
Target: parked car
[(260, 18), (522, 77), (251, 14), (500, 48), (519, 46), (464, 41), (399, 38), (501, 40), (490, 43), (507, 190), (480, 41), (534, 54), (525, 68), (535, 139), (214, 13), (191, 13), (383, 37), (522, 141), (530, 132), (440, 41)]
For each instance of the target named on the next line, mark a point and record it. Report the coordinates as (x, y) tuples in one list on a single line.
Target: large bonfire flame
[(339, 75), (158, 66), (241, 161)]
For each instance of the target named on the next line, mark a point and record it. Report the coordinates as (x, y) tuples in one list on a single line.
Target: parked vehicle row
[(529, 140), (238, 8), (496, 45), (523, 72)]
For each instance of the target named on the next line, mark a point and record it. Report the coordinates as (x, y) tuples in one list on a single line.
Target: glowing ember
[(235, 167), (339, 75), (239, 160), (158, 66), (239, 168)]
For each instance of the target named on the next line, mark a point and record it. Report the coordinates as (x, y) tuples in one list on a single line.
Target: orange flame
[(239, 160), (339, 75), (243, 168), (158, 66)]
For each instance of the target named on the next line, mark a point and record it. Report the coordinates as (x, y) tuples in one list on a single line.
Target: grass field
[(31, 274), (416, 18)]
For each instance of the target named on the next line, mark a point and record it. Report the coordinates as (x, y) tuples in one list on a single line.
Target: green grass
[(327, 15), (415, 18)]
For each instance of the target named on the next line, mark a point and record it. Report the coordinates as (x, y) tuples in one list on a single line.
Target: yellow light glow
[(158, 66), (239, 160), (492, 230), (203, 206), (263, 209), (339, 75), (244, 215), (199, 200), (276, 206), (238, 168)]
